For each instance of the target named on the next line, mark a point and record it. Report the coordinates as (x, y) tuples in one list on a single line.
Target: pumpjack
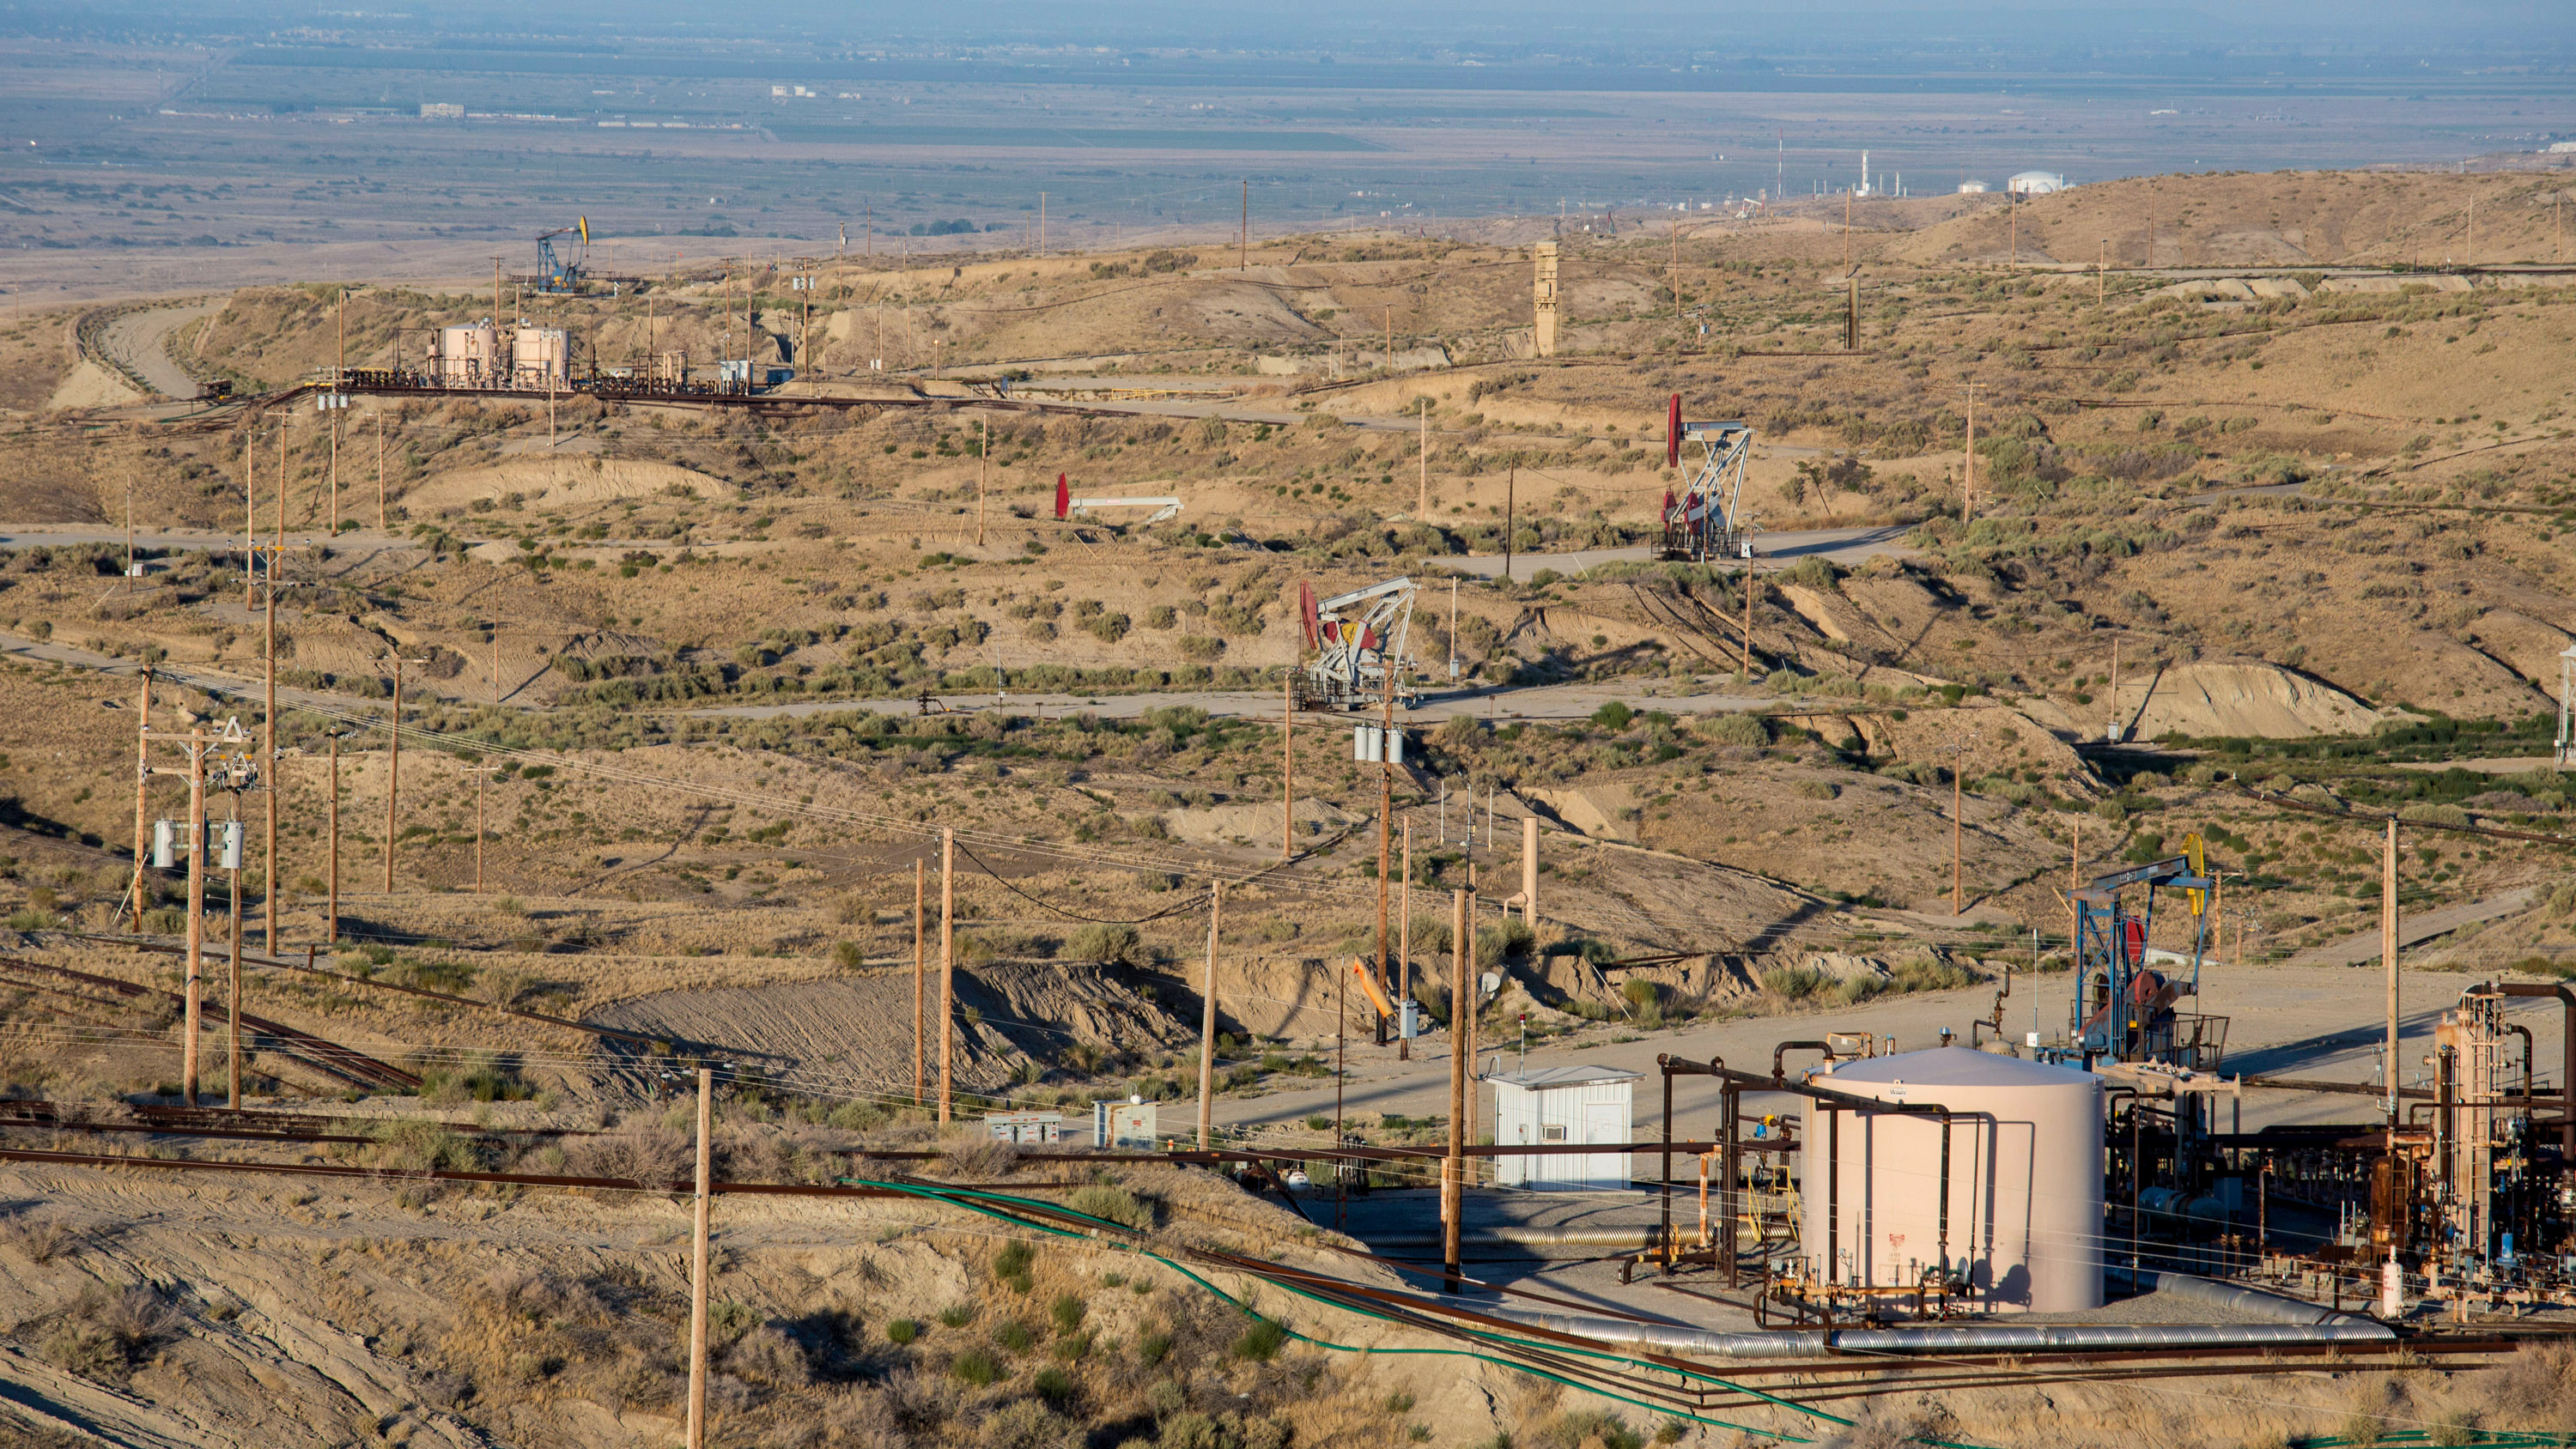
[(1706, 519), (1361, 643), (2127, 1010)]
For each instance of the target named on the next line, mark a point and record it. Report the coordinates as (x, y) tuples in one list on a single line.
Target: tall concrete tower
[(1543, 298)]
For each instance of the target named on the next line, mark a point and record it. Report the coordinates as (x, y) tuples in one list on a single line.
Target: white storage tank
[(542, 358), (1565, 1107), (2025, 1225), (465, 356)]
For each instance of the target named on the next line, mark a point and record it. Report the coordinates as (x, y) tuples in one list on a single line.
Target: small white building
[(1974, 188), (2036, 183), (1564, 1107)]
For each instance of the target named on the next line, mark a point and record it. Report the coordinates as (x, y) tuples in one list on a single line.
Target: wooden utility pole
[(232, 976), (1390, 341), (697, 1424), (1958, 891), (393, 769), (1288, 763), (1677, 279), (250, 520), (983, 473), (947, 969), (2388, 954), (2102, 274), (1968, 475), (1385, 825), (1851, 312), (142, 787), (1748, 618), (331, 920), (196, 906), (1404, 946), (382, 525), (268, 746), (1243, 242), (479, 776), (335, 464), (1511, 497), (1422, 488), (1462, 1004), (1207, 1024), (920, 964)]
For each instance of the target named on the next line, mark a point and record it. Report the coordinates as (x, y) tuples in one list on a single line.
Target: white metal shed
[(1561, 1107)]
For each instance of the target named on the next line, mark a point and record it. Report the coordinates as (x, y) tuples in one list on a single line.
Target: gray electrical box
[(165, 844), (232, 846), (1408, 1019)]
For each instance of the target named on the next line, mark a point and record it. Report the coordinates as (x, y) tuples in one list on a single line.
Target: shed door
[(1605, 1123)]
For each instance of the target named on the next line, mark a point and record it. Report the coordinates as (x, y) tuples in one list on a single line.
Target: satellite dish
[(1491, 982)]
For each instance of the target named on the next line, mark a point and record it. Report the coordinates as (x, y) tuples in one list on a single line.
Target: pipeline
[(2252, 1302), (1533, 1242), (1978, 1338)]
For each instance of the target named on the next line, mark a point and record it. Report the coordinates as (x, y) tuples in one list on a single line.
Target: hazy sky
[(1638, 29)]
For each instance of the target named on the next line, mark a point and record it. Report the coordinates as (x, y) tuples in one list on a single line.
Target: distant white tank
[(1974, 188), (2025, 1226), (2035, 183)]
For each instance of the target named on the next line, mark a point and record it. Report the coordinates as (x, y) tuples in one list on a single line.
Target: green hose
[(967, 1198)]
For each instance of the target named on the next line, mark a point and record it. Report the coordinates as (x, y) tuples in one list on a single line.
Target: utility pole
[(232, 972), (1207, 1024), (250, 519), (2388, 954), (697, 1425), (480, 775), (382, 526), (1748, 618), (983, 472), (1243, 249), (142, 787), (393, 767), (1958, 891), (1968, 474), (920, 1037), (1462, 1005), (947, 968), (1404, 946), (2102, 274), (1422, 489), (1385, 824), (331, 922), (268, 735), (1288, 763), (1511, 492), (196, 905), (1042, 237)]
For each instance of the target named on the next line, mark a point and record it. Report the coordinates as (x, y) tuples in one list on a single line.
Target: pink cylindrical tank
[(2025, 1224), (542, 358)]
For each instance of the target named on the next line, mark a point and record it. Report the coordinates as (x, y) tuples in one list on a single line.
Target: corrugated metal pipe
[(1961, 1338), (2251, 1302)]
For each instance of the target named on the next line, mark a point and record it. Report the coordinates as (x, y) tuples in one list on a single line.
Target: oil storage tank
[(2025, 1178)]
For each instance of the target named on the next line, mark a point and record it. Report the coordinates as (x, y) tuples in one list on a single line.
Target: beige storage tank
[(543, 358), (2025, 1224), (464, 357)]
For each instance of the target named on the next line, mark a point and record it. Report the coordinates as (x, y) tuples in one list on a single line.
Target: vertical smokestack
[(1673, 433)]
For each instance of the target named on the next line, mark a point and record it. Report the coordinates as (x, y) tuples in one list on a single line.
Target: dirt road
[(138, 340)]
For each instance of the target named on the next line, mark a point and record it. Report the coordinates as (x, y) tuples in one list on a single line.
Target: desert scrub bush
[(1500, 941), (480, 1078), (1732, 729), (902, 1331), (38, 1240), (105, 1331), (1794, 983), (976, 1368), (1262, 1341), (1011, 1267), (422, 1147), (1929, 973), (1646, 998), (1110, 945), (1067, 1313), (978, 1158), (2535, 1386), (648, 1153), (1015, 1337), (1116, 1204)]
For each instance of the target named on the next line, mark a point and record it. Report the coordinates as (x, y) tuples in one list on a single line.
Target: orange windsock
[(1369, 984)]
